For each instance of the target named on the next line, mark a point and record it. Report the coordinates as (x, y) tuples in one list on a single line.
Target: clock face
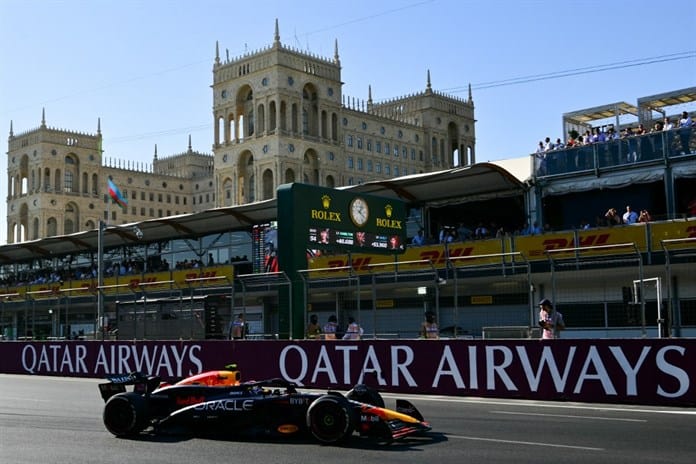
[(359, 211)]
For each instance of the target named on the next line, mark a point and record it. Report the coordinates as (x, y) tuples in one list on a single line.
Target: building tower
[(57, 184), (53, 182), (280, 116)]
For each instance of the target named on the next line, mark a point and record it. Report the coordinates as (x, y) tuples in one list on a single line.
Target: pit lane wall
[(635, 371)]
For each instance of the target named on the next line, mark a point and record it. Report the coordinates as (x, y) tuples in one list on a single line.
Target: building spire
[(471, 100), (11, 132), (189, 146), (429, 87), (155, 152), (337, 60), (276, 36), (217, 53), (43, 117), (98, 126)]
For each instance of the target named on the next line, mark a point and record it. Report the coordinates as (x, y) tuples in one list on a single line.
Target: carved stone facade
[(279, 115), (57, 184)]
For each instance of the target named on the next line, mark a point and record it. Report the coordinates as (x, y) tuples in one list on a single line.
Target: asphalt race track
[(58, 420)]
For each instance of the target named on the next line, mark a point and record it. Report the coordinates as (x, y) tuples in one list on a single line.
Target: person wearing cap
[(429, 327), (330, 328), (550, 320)]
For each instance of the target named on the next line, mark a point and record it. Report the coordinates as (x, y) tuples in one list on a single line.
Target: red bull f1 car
[(218, 400)]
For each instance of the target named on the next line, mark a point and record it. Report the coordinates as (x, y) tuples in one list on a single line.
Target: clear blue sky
[(145, 66)]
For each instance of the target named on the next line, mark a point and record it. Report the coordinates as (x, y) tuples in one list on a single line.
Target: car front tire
[(329, 419)]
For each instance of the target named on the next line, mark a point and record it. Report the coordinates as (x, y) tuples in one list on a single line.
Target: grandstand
[(185, 276)]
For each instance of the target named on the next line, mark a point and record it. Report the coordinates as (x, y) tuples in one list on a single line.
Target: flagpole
[(100, 277), (100, 271)]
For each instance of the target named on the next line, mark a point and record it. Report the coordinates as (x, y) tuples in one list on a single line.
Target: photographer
[(550, 320)]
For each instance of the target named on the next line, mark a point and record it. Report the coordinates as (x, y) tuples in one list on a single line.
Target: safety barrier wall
[(638, 371)]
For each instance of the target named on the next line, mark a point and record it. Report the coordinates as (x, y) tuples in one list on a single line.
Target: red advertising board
[(638, 371)]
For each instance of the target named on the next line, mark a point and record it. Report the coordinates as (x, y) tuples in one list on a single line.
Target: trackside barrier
[(634, 371)]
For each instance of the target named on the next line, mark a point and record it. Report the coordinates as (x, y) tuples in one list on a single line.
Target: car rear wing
[(142, 384)]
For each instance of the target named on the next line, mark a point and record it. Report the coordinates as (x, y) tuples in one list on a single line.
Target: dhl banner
[(423, 257), (535, 247), (149, 282), (671, 231)]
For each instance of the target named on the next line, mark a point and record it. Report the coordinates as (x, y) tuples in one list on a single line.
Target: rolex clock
[(359, 211)]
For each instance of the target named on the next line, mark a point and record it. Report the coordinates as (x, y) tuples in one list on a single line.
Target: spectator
[(464, 232), (685, 133), (631, 155), (313, 329), (540, 159), (237, 328), (442, 235), (535, 229), (612, 217), (481, 231), (354, 331), (584, 225), (644, 216), (548, 145), (630, 216), (330, 328), (669, 136), (429, 328), (419, 238), (524, 230), (550, 320)]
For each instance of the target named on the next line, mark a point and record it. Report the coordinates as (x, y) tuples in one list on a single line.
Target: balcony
[(658, 147)]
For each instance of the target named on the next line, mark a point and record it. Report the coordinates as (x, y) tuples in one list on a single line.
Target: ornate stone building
[(280, 116), (57, 184)]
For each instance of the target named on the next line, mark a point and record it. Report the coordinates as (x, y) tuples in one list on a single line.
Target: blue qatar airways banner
[(640, 371)]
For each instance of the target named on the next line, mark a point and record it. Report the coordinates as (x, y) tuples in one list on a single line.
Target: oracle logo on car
[(226, 405)]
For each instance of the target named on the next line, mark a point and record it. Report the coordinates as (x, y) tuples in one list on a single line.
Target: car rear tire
[(125, 414), (365, 394), (329, 419)]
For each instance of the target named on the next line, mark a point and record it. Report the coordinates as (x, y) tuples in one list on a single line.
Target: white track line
[(526, 443)]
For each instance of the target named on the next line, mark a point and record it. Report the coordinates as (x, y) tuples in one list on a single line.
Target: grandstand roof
[(470, 183), (611, 110), (476, 182), (662, 100)]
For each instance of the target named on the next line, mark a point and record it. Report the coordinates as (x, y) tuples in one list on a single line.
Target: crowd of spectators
[(613, 218), (678, 136), (111, 269), (482, 231)]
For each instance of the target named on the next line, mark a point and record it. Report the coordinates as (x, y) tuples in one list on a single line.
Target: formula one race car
[(217, 400)]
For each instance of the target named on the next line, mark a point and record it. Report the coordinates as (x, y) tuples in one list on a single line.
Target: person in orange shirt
[(313, 329)]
